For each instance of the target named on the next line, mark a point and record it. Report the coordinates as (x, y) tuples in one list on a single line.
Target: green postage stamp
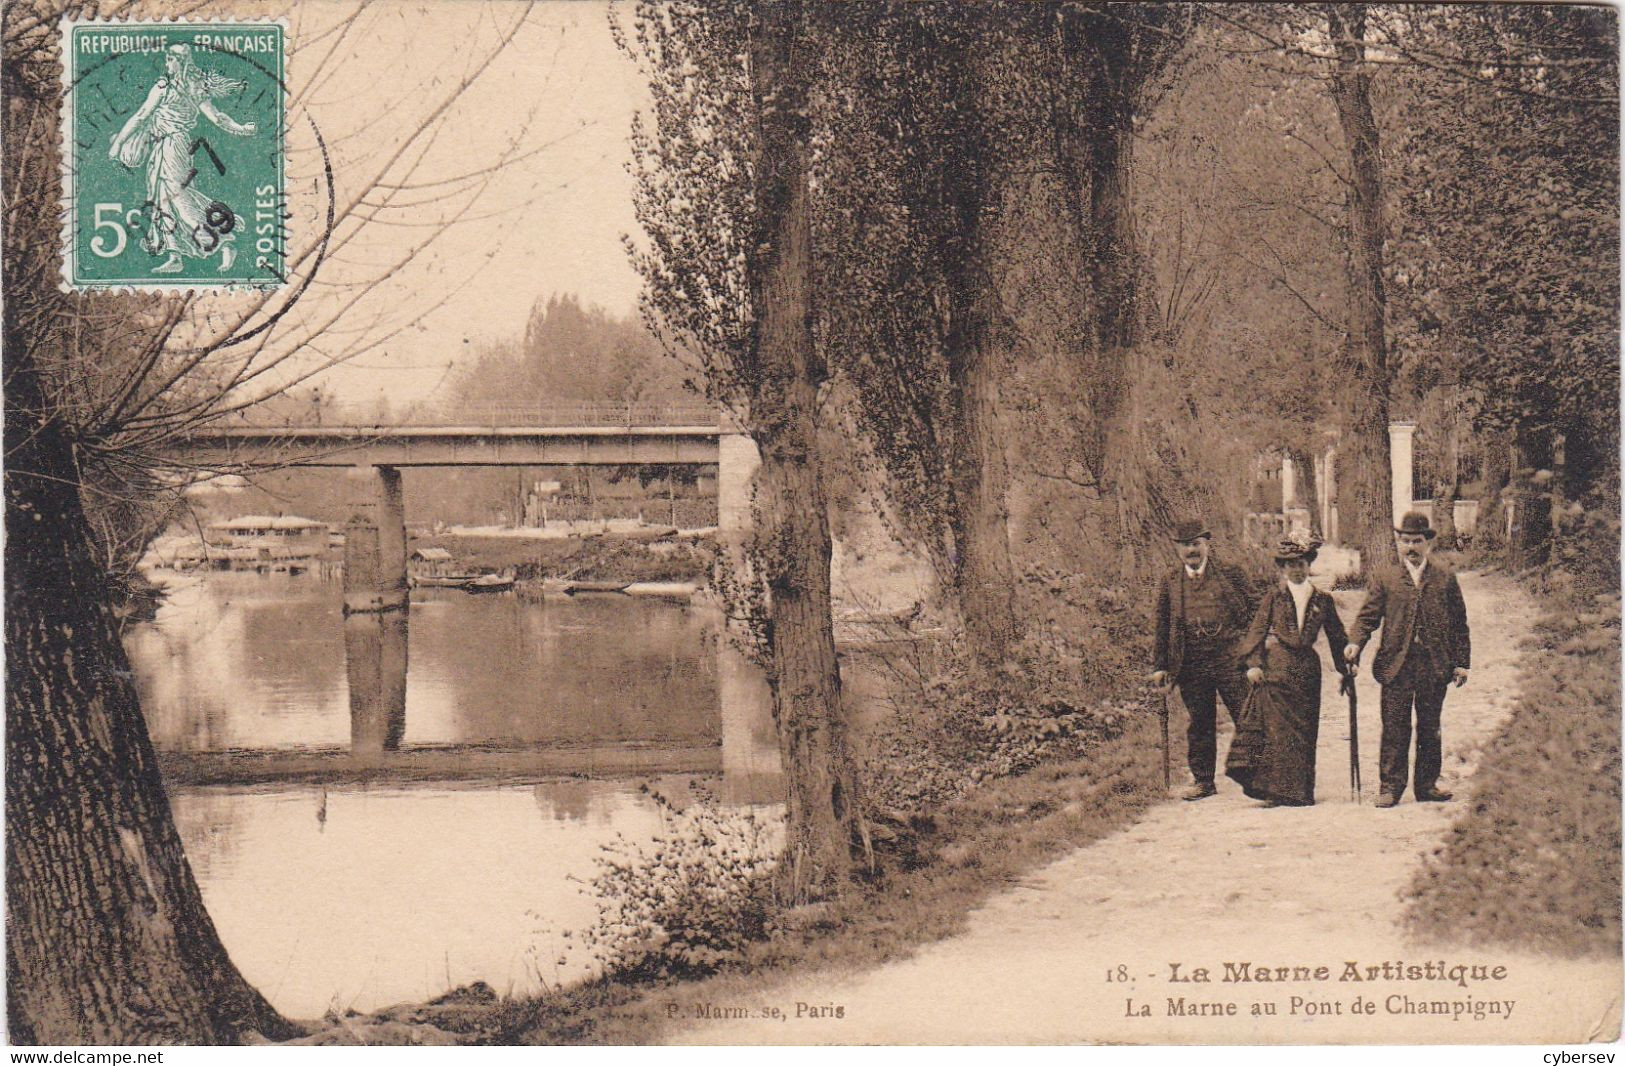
[(172, 148)]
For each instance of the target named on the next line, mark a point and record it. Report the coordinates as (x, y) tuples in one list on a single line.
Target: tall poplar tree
[(724, 197)]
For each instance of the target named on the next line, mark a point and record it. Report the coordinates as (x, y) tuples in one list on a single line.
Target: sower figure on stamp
[(1425, 646), (184, 220), (1203, 608)]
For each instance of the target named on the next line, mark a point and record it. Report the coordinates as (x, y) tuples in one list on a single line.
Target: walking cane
[(1354, 739), (1167, 774)]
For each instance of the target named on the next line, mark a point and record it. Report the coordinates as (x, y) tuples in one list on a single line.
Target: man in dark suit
[(1425, 646), (1203, 608)]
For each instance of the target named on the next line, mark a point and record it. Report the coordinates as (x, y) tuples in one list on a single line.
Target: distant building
[(429, 562), (1288, 496), (266, 542)]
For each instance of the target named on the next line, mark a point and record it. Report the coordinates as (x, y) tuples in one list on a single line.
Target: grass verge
[(1535, 861)]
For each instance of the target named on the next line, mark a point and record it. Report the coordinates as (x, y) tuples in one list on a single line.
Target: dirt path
[(1221, 881)]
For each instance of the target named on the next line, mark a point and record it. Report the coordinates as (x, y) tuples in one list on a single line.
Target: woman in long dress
[(182, 219), (1273, 754)]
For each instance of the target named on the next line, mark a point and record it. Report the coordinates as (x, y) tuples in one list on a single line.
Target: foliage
[(956, 725), (693, 162), (729, 274), (1505, 277), (690, 900), (570, 352), (1241, 221), (1585, 553), (974, 203), (969, 210)]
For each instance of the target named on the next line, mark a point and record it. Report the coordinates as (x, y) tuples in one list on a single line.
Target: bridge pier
[(375, 543)]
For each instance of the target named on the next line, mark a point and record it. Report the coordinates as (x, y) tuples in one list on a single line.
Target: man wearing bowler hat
[(1425, 646), (1203, 608)]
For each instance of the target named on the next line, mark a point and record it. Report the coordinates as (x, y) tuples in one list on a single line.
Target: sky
[(519, 179)]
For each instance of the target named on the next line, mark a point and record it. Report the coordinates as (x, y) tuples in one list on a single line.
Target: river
[(379, 809)]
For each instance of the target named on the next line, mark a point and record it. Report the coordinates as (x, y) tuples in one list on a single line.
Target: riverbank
[(621, 555), (975, 847)]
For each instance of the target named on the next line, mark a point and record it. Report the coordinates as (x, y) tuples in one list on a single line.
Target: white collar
[(1300, 598), (1415, 571), (1198, 572)]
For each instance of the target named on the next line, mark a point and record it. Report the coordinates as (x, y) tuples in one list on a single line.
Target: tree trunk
[(1588, 463), (1105, 64), (822, 814), (1531, 498), (1445, 508), (1445, 505), (1114, 272), (984, 576), (107, 939), (1496, 472), (1366, 487)]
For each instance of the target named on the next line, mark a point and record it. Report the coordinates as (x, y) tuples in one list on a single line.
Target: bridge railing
[(495, 416)]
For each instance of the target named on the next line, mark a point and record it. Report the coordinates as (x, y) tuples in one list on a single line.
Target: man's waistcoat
[(1201, 619)]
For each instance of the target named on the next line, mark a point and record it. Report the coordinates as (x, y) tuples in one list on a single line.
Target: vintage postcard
[(1033, 522)]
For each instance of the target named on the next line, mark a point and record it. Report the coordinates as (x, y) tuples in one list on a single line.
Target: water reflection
[(330, 890), (404, 892), (264, 663), (750, 752), (375, 667)]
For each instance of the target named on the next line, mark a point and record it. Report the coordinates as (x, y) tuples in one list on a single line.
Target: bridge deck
[(371, 432), (235, 446)]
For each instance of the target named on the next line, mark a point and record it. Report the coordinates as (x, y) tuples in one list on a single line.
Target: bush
[(688, 901), (1586, 542), (960, 725)]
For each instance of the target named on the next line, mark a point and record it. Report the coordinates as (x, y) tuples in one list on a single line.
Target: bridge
[(569, 434), (539, 435)]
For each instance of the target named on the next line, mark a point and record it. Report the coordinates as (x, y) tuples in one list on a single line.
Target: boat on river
[(489, 583), (443, 581)]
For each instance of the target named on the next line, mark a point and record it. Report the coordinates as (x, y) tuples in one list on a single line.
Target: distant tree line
[(572, 352)]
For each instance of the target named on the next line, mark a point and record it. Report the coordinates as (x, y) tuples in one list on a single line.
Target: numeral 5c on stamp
[(173, 155)]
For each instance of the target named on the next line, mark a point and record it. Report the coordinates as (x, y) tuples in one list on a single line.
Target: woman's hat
[(1290, 548), (1416, 522), (1190, 529)]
